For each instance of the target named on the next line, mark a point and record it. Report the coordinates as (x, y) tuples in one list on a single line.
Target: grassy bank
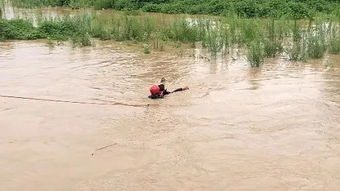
[(59, 30), (241, 8), (261, 38)]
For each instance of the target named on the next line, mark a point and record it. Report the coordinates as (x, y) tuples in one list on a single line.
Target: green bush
[(124, 5), (104, 4), (58, 29), (151, 7), (298, 10), (18, 30)]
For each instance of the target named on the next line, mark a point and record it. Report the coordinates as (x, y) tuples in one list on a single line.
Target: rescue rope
[(72, 102)]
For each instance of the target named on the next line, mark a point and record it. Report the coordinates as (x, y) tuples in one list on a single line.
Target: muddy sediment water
[(80, 119)]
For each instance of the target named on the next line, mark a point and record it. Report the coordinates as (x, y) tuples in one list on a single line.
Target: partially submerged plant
[(146, 48), (81, 39), (255, 54), (272, 48), (334, 40)]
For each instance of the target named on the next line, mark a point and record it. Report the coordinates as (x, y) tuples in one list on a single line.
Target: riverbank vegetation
[(241, 8), (258, 38)]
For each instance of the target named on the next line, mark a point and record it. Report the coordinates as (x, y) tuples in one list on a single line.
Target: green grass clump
[(146, 48), (316, 47), (334, 45), (39, 3), (255, 53), (76, 4), (63, 28), (122, 28), (18, 30), (295, 52), (103, 4), (57, 29), (214, 42), (132, 29), (225, 35), (334, 40), (272, 41), (74, 29), (81, 39), (272, 48), (105, 28), (250, 31), (180, 30)]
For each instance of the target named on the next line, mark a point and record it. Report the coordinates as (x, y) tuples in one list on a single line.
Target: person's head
[(163, 80)]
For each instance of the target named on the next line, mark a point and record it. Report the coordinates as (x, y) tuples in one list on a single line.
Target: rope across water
[(72, 102)]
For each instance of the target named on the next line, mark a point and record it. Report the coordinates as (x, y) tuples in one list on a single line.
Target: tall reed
[(272, 41), (255, 53), (214, 42), (334, 39)]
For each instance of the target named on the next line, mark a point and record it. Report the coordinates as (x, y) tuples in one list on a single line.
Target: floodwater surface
[(80, 119)]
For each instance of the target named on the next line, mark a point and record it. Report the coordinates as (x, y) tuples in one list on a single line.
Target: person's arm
[(166, 92), (180, 89), (163, 90)]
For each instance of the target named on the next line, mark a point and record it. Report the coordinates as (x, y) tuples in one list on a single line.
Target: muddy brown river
[(80, 119)]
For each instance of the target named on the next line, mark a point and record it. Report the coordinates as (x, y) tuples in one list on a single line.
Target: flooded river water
[(79, 120)]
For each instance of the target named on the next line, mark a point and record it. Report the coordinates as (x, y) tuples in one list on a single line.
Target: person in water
[(159, 91)]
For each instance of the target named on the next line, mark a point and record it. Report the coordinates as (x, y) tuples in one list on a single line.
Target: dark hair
[(161, 87)]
